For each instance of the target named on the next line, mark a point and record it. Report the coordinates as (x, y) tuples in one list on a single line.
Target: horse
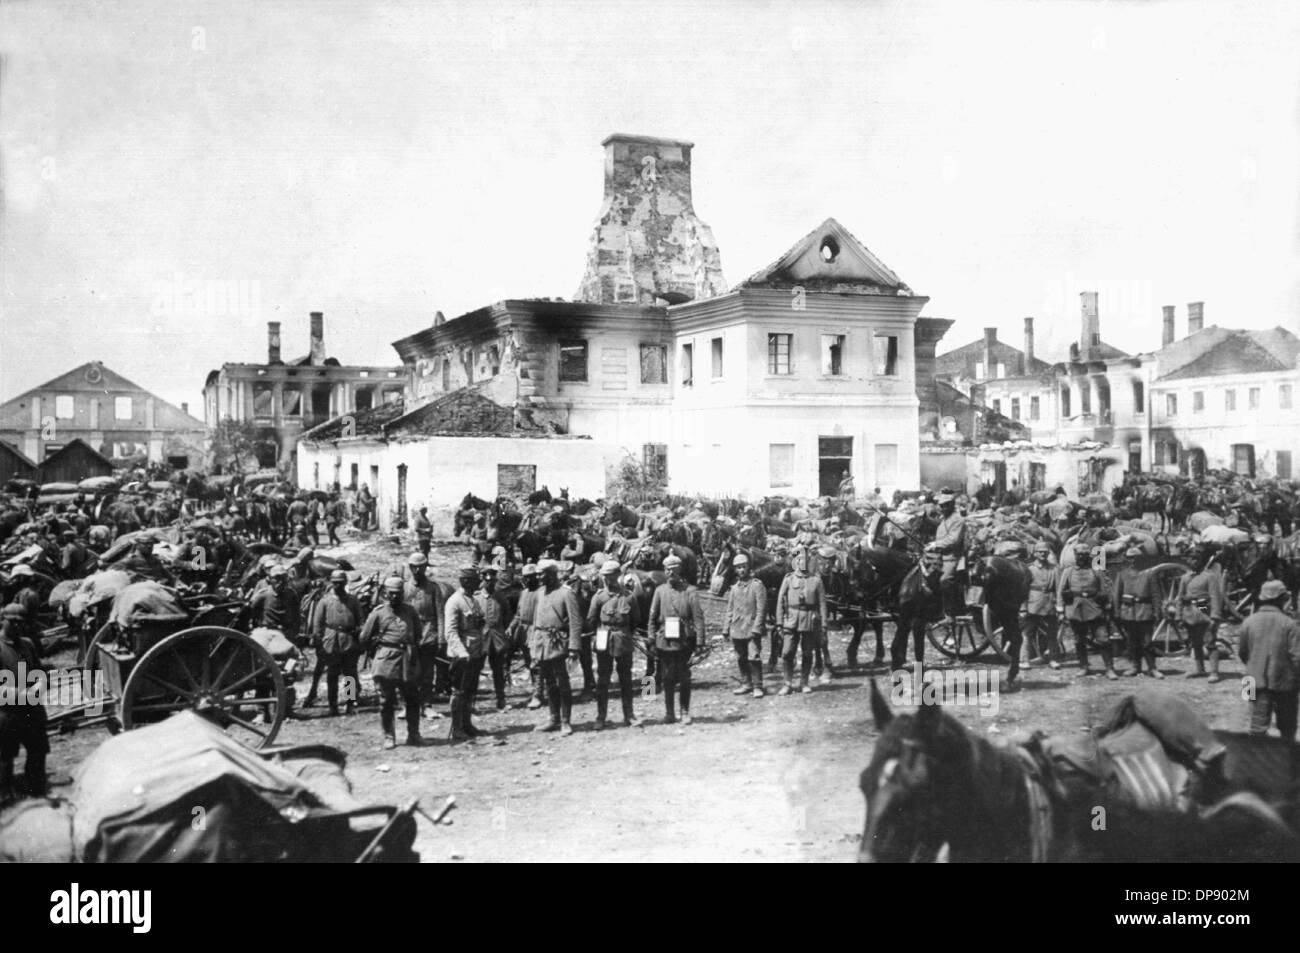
[(877, 573), (936, 791)]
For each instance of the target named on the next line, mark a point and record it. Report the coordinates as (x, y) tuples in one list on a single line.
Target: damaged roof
[(1238, 352), (465, 412)]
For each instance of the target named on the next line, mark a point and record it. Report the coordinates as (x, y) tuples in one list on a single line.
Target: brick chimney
[(273, 342), (185, 408), (990, 339), (1167, 328), (1090, 326), (1195, 317), (317, 338), (1028, 359)]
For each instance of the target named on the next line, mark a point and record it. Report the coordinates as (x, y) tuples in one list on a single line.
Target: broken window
[(654, 364), (716, 349), (778, 359), (292, 399), (833, 354), (1033, 408), (688, 365), (1015, 408), (263, 400), (886, 355), (573, 361), (446, 374), (997, 405), (654, 462)]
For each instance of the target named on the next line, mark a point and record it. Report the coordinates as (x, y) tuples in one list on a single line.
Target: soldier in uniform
[(746, 615), (521, 625), (142, 562), (22, 713), (1269, 646), (950, 543), (1082, 598), (676, 624), (613, 618), (918, 603), (497, 616), (800, 612), (333, 516), (1133, 599), (393, 631), (556, 638), (1199, 600), (1040, 618), (466, 646), (336, 627), (423, 595), (276, 606), (73, 558), (423, 530)]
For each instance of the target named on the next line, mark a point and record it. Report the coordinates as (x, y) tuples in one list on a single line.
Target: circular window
[(830, 250)]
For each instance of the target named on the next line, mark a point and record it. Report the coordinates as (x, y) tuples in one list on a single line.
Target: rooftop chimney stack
[(1167, 330), (1029, 347), (273, 342), (317, 338), (990, 339), (1195, 317), (185, 408), (1090, 329)]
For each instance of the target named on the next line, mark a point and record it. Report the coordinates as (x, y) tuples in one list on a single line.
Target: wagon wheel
[(959, 638), (90, 658), (1168, 639), (200, 670), (994, 634)]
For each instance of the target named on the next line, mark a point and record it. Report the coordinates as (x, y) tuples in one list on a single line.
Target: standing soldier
[(276, 606), (521, 627), (800, 612), (746, 612), (1133, 599), (1040, 617), (424, 596), (423, 531), (950, 542), (1081, 597), (614, 616), (575, 583), (1199, 598), (333, 516), (496, 624), (556, 638), (465, 648), (393, 631), (1269, 645), (73, 557), (676, 623), (22, 712), (336, 627)]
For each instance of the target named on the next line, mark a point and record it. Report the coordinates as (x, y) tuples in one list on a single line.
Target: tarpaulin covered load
[(147, 601), (1224, 534), (138, 796), (97, 588)]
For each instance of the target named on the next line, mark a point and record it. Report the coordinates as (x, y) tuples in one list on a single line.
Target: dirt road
[(772, 779)]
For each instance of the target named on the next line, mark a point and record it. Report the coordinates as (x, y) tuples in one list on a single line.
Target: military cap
[(393, 584), (529, 570), (468, 570), (740, 560), (277, 571), (417, 559), (543, 565), (338, 575), (14, 611), (673, 562), (610, 567), (1273, 589)]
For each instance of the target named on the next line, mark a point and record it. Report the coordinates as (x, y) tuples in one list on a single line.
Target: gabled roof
[(16, 454), (94, 376), (851, 265), (72, 445), (958, 359), (1239, 352), (363, 423)]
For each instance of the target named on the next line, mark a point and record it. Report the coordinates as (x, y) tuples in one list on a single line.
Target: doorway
[(401, 496), (834, 463)]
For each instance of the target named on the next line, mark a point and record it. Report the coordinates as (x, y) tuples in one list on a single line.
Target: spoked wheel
[(218, 673), (959, 638), (1169, 640), (994, 634)]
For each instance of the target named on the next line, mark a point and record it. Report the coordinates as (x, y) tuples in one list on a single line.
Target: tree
[(633, 482), (233, 446)]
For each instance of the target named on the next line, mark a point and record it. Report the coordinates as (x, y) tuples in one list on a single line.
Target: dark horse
[(935, 791), (875, 576)]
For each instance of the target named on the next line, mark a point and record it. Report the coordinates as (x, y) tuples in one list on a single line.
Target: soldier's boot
[(805, 669), (828, 674), (566, 715), (756, 667), (788, 670), (670, 707), (602, 707), (456, 731), (1214, 666), (34, 774), (554, 723), (746, 677), (629, 716)]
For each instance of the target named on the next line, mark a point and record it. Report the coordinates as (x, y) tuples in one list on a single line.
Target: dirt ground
[(772, 779)]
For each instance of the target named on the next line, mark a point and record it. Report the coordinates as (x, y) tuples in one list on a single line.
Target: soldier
[(423, 530), (1040, 617), (746, 615), (276, 606), (143, 562), (676, 623), (334, 516), (336, 627), (22, 712), (26, 594), (1134, 600), (393, 631), (497, 616), (614, 617), (556, 637), (1081, 597), (1269, 645), (800, 612), (465, 616), (950, 542), (521, 625), (579, 586), (73, 559), (1199, 602), (424, 596), (918, 603)]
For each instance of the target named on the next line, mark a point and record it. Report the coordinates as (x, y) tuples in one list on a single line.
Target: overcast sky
[(381, 161)]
